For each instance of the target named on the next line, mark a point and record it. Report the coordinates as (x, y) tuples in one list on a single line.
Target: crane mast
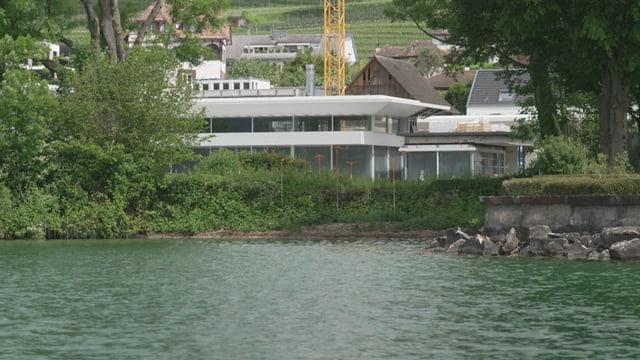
[(334, 38)]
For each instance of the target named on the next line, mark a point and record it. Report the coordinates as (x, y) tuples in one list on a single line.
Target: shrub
[(560, 155), (573, 185)]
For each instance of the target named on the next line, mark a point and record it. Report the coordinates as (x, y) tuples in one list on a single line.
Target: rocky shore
[(613, 243)]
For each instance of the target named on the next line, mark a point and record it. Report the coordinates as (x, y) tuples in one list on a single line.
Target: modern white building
[(358, 135), (280, 47)]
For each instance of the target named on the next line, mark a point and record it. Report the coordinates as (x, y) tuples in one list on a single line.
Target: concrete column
[(373, 162)]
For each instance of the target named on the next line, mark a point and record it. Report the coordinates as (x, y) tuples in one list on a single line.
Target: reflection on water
[(192, 299)]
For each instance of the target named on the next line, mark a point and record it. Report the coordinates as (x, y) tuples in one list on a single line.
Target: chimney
[(310, 80)]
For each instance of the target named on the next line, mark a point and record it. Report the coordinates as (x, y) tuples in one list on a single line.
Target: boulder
[(597, 255), (441, 242), (490, 248), (539, 232), (554, 248), (585, 240), (454, 249), (612, 235), (577, 252), (511, 242), (472, 246), (625, 250), (529, 251)]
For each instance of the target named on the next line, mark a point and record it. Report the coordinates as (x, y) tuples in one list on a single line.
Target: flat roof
[(313, 106)]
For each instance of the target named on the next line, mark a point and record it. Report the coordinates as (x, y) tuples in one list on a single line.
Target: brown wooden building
[(387, 76)]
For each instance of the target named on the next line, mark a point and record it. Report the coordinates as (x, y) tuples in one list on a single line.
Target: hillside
[(365, 20)]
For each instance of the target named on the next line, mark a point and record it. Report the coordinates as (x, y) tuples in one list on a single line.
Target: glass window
[(380, 124), (216, 86), (283, 150), (236, 86), (490, 164), (351, 123), (246, 85), (205, 87), (455, 164), (421, 165), (316, 158), (392, 126), (352, 160), (241, 125), (381, 162), (396, 164), (225, 86), (313, 123), (283, 124)]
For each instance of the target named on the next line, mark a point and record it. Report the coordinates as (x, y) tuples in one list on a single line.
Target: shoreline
[(321, 232)]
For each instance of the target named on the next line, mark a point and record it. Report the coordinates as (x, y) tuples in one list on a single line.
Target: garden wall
[(572, 213)]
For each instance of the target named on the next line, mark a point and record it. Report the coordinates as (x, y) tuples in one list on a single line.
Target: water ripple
[(180, 299)]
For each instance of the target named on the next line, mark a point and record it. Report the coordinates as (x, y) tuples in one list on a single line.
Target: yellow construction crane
[(334, 36)]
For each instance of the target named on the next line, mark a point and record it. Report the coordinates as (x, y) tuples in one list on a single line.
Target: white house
[(481, 140), (358, 135)]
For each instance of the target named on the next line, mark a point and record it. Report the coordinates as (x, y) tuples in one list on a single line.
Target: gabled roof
[(488, 84), (163, 14), (444, 81), (411, 80)]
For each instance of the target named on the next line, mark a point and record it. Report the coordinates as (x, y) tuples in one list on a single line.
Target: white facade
[(359, 134), (469, 123), (216, 84)]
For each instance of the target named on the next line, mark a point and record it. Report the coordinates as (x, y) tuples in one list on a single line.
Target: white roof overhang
[(312, 106)]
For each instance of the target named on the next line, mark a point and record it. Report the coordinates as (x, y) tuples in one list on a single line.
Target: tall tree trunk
[(544, 98), (93, 23), (157, 6), (613, 102), (117, 29), (106, 20)]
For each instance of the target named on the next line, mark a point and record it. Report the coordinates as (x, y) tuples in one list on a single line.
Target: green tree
[(458, 94), (26, 106), (255, 68), (591, 46), (136, 103), (429, 61)]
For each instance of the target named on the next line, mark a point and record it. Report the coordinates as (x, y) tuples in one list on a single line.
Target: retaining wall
[(575, 213)]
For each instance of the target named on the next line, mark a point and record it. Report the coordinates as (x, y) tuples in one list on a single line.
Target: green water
[(191, 299)]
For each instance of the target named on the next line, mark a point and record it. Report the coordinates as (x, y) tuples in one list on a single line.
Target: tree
[(429, 61), (26, 105), (292, 73), (136, 103), (591, 46), (458, 94), (106, 25)]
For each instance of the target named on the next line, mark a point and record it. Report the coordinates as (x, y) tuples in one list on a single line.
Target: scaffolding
[(333, 43)]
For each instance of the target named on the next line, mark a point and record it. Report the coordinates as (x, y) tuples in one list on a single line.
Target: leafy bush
[(573, 185), (560, 155)]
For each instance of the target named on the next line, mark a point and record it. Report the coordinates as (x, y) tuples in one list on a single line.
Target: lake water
[(196, 299)]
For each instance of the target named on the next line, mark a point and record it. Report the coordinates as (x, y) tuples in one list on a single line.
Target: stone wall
[(575, 213)]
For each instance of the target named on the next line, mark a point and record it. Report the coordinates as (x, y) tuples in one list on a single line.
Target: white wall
[(210, 69), (493, 110)]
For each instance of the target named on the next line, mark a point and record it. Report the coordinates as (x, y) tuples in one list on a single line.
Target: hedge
[(573, 185)]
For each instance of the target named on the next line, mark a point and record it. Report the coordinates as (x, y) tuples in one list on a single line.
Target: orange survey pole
[(350, 163), (319, 158)]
